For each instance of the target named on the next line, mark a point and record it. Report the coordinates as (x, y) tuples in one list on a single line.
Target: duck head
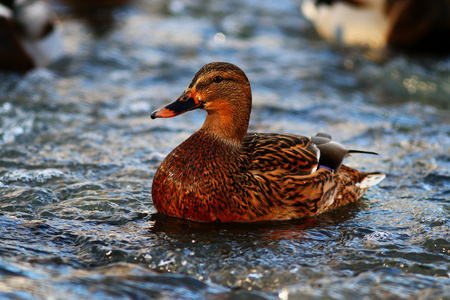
[(223, 91)]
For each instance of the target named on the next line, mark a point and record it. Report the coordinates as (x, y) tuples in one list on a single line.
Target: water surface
[(79, 151)]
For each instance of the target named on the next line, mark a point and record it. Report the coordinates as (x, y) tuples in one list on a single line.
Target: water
[(79, 151)]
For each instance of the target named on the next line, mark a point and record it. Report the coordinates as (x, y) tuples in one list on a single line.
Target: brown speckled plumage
[(222, 173)]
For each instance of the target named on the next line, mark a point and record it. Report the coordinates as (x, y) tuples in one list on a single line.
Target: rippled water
[(78, 153)]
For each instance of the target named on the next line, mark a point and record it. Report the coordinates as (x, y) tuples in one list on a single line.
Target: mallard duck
[(28, 35), (224, 173), (415, 25)]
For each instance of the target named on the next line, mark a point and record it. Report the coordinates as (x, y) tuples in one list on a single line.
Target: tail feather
[(362, 151), (371, 180), (353, 184)]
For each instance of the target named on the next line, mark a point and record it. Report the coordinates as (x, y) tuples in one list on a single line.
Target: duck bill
[(184, 103)]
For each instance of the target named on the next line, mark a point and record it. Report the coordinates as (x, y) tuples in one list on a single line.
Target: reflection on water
[(79, 151)]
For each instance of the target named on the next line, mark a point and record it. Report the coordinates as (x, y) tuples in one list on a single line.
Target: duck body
[(222, 173)]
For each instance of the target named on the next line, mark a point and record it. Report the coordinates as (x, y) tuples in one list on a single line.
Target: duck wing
[(265, 152)]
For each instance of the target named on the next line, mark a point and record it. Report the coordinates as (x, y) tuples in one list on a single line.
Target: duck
[(411, 25), (222, 173), (28, 34)]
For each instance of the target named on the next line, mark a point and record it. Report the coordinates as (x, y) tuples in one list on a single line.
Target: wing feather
[(265, 152)]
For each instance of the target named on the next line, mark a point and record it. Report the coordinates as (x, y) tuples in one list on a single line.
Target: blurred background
[(78, 149)]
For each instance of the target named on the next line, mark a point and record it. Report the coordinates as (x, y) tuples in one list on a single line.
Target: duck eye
[(217, 79)]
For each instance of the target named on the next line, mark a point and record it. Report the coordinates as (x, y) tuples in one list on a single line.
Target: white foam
[(39, 176)]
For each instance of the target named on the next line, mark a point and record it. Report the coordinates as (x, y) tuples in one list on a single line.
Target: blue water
[(79, 151)]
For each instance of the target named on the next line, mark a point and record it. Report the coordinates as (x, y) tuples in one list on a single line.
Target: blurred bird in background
[(413, 25), (28, 35)]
